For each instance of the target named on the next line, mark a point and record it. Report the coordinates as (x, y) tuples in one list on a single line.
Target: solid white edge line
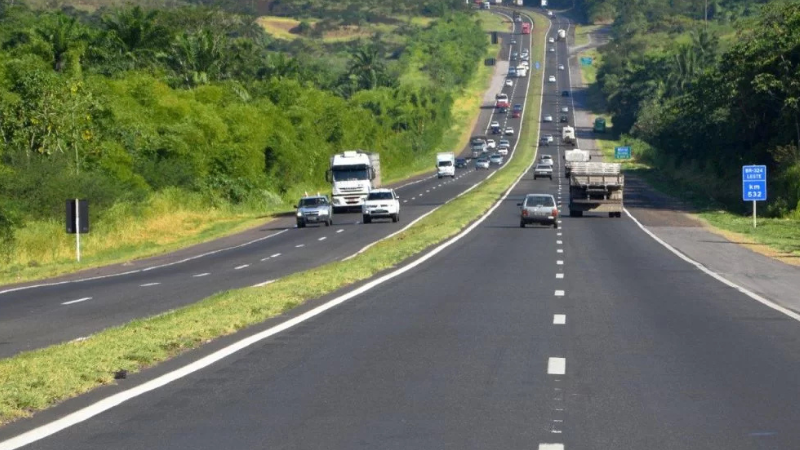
[(559, 319), (77, 301), (555, 366), (146, 269), (264, 283), (718, 277), (119, 398)]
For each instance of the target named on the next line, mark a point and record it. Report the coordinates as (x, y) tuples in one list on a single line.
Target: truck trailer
[(596, 187), (353, 174), (574, 156)]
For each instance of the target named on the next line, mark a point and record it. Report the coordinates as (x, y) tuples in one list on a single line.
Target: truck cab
[(353, 174), (446, 164)]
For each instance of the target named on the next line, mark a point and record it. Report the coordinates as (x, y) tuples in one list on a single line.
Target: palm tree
[(135, 30), (366, 64), (63, 36), (197, 57)]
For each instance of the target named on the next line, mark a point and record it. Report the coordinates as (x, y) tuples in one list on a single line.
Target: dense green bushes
[(712, 97), (118, 105)]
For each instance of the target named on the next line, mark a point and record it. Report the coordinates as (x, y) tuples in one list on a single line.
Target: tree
[(135, 30), (367, 66), (65, 37)]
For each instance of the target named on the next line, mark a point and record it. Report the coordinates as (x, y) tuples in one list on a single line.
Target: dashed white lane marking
[(121, 397), (204, 274), (77, 301), (559, 293), (560, 250), (560, 262), (146, 269), (264, 283), (322, 238), (149, 284), (559, 221), (241, 267), (559, 234), (340, 231), (426, 190), (559, 275), (556, 366), (551, 446), (559, 319), (299, 245), (275, 255), (559, 242), (405, 201)]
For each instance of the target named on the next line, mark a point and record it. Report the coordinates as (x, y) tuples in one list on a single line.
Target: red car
[(517, 112)]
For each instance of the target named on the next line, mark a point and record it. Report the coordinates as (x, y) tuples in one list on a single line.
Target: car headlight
[(299, 214)]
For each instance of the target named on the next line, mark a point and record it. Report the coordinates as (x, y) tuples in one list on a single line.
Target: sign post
[(754, 186), (77, 221), (622, 152)]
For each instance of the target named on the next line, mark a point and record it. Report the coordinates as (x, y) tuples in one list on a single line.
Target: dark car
[(565, 93), (564, 119), (517, 111), (502, 110), (461, 163)]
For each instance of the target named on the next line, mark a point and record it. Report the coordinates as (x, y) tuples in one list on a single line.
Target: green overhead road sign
[(622, 153)]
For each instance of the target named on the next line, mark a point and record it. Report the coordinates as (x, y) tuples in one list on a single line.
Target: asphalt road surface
[(49, 314), (591, 336)]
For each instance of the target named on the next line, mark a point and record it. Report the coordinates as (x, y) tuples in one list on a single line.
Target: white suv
[(381, 204)]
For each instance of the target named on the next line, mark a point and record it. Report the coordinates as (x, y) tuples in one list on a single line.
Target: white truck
[(573, 156), (353, 174), (568, 135), (562, 34), (446, 164), (596, 187), (522, 71)]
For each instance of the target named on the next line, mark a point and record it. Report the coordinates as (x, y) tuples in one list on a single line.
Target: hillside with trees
[(123, 103), (704, 91)]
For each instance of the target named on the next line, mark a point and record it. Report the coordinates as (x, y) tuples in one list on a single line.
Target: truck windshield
[(348, 173), (445, 163)]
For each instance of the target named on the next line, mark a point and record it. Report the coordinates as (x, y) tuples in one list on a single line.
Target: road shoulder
[(750, 265)]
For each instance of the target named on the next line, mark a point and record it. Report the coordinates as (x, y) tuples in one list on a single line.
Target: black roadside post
[(77, 221)]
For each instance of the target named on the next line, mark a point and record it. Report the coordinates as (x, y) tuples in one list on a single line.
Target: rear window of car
[(380, 196), (543, 166), (539, 200)]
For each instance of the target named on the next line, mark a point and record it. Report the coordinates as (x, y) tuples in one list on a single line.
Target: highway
[(591, 336), (44, 313)]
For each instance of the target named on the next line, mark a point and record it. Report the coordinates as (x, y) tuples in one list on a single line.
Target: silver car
[(543, 171), (314, 209), (482, 163), (496, 159), (538, 208)]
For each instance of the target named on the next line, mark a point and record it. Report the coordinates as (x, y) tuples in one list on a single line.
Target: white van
[(446, 164)]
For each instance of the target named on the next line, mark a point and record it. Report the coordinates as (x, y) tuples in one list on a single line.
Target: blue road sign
[(537, 65), (622, 152), (754, 183)]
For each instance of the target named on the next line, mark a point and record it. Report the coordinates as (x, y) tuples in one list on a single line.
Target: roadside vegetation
[(35, 380), (698, 94), (183, 124)]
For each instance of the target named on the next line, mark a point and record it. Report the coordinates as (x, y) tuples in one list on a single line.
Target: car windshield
[(311, 202), (379, 196), (539, 200), (348, 173)]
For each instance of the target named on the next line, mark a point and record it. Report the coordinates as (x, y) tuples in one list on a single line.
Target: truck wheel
[(522, 224), (395, 217), (534, 177), (366, 219), (575, 213), (328, 222), (555, 224), (611, 214), (619, 214)]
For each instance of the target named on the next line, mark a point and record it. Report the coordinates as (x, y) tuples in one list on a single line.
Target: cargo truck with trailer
[(596, 187)]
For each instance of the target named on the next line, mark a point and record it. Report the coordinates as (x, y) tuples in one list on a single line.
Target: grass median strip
[(35, 380)]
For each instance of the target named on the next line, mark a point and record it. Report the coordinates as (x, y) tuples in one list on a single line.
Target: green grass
[(280, 28), (589, 73), (167, 221), (32, 381), (465, 106), (582, 33)]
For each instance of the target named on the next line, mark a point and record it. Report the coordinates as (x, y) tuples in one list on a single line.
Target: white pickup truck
[(381, 204)]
